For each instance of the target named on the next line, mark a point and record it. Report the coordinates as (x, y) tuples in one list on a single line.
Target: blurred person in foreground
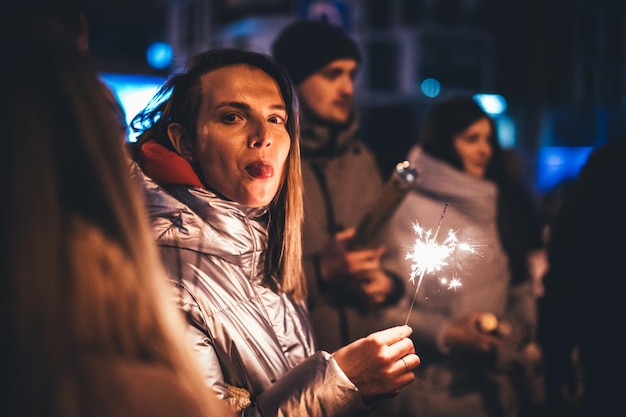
[(347, 285), (220, 161), (581, 309), (65, 22), (477, 339), (88, 327)]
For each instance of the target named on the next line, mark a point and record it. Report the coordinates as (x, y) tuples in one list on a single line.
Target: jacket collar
[(320, 139), (166, 167)]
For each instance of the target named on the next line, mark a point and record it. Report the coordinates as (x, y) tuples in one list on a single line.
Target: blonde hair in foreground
[(81, 277)]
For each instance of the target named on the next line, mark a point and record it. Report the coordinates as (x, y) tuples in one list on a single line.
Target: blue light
[(494, 104), (506, 131), (557, 163), (133, 92), (243, 28), (430, 87), (159, 55)]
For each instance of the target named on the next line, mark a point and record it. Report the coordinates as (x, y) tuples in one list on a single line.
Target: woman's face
[(242, 142), (474, 148)]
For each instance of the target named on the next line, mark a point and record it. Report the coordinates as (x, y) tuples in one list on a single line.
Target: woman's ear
[(180, 139)]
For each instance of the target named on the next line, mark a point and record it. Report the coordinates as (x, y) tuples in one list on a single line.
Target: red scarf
[(167, 167)]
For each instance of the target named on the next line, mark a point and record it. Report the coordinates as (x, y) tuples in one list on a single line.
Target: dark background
[(560, 64)]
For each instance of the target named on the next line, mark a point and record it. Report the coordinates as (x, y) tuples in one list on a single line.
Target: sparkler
[(429, 256), (394, 191)]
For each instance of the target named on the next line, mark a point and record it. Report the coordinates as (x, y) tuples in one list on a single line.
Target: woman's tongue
[(260, 170)]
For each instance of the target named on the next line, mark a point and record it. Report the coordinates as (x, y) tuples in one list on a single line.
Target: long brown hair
[(178, 101), (449, 118)]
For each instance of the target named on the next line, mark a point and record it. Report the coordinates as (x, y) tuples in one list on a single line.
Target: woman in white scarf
[(466, 369)]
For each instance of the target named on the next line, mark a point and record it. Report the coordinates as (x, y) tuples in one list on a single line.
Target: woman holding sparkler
[(472, 338), (220, 162)]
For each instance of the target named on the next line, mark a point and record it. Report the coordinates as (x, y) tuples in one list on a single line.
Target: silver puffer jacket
[(255, 346)]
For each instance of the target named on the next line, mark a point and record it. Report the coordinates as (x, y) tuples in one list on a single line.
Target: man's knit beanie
[(307, 46)]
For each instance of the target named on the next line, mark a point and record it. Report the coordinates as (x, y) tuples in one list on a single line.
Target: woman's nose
[(485, 146), (260, 135)]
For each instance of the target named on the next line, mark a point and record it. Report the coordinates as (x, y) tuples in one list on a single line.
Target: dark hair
[(179, 101), (63, 21), (518, 222), (448, 119), (306, 46)]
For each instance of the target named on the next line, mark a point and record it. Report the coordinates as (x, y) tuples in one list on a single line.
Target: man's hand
[(338, 263)]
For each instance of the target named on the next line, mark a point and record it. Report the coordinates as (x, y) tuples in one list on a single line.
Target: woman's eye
[(229, 118), (276, 119)]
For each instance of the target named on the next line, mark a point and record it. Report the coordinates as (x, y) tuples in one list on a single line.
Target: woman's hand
[(380, 364), (470, 333)]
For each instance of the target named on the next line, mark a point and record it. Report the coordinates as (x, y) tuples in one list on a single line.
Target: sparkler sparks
[(454, 283), (428, 256)]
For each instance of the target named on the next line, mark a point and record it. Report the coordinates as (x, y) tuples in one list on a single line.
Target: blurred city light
[(133, 91), (494, 104), (431, 87), (159, 55), (558, 163), (506, 131)]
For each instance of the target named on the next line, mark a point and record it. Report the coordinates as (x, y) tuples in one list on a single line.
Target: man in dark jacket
[(341, 184)]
